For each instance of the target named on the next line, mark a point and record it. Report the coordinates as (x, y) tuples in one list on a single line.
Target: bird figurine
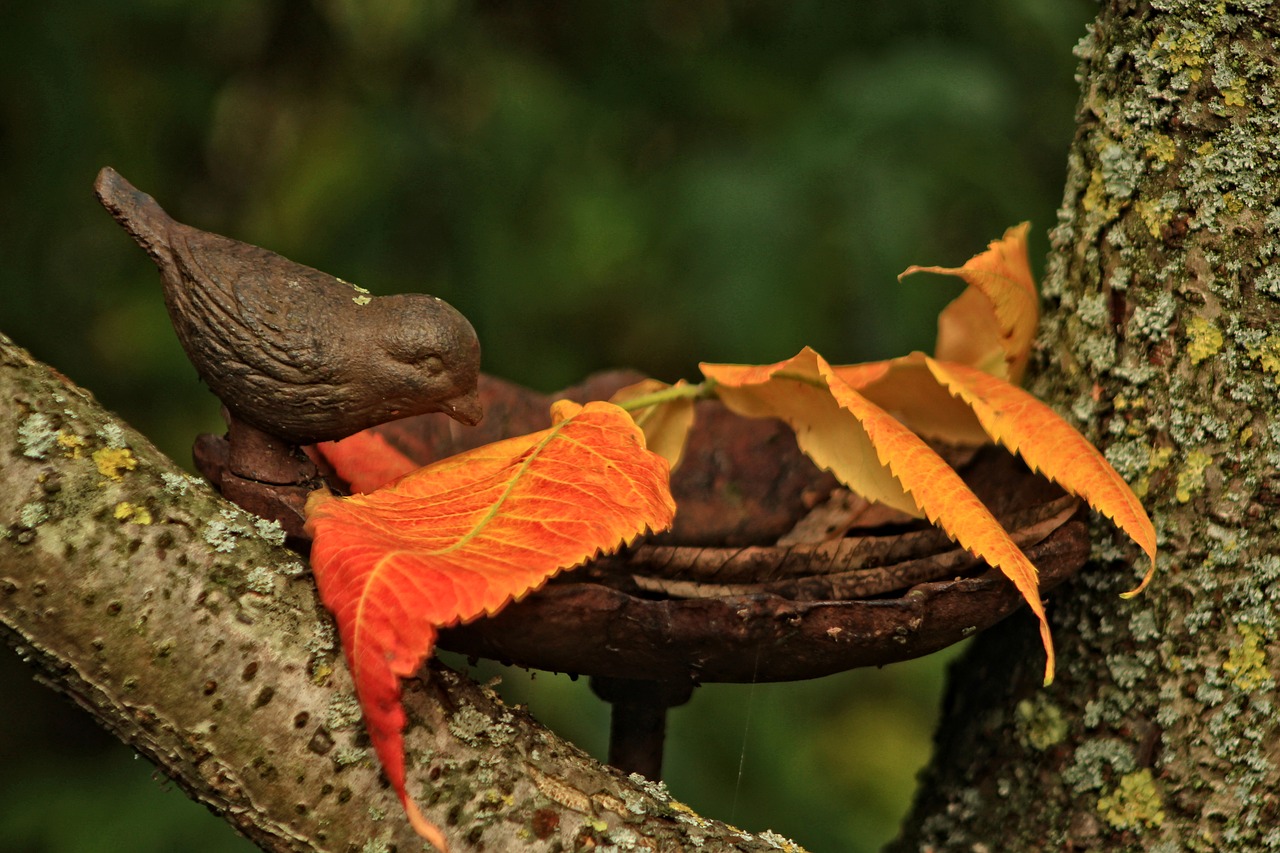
[(292, 351)]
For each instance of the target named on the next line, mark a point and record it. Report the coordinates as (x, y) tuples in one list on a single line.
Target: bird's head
[(427, 358)]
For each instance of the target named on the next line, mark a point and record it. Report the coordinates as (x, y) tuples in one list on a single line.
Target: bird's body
[(293, 351)]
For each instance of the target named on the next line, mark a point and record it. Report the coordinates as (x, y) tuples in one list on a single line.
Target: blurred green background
[(599, 183)]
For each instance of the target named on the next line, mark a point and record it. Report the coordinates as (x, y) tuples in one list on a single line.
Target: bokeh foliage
[(595, 183)]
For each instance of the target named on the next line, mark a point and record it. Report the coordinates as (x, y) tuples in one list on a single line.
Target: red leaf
[(366, 460), (461, 538)]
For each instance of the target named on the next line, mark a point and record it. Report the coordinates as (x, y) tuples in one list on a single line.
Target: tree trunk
[(1161, 340), (179, 622)]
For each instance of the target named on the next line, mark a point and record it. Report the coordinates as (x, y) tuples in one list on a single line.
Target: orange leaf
[(906, 389), (1051, 446), (878, 457), (992, 324), (859, 376), (366, 460), (463, 537)]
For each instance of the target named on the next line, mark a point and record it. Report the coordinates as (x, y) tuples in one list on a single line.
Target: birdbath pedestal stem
[(638, 723)]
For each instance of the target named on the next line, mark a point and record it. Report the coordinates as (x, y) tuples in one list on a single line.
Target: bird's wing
[(259, 312)]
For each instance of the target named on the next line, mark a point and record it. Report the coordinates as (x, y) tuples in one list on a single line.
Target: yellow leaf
[(796, 392), (666, 425), (992, 324), (878, 457), (859, 376), (1050, 445)]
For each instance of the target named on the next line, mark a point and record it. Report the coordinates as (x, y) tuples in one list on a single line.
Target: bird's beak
[(465, 408)]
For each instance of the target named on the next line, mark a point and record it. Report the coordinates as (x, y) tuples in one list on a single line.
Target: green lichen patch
[(779, 842), (221, 536), (342, 713), (1191, 475), (382, 844), (1134, 804), (36, 435), (469, 724), (1096, 761), (179, 484), (1093, 310), (1204, 339), (323, 640), (657, 790), (1040, 723), (1120, 169), (349, 756), (1268, 281), (270, 530), (261, 580), (1154, 320), (32, 514), (291, 569), (1246, 663), (113, 435), (225, 532), (1161, 148)]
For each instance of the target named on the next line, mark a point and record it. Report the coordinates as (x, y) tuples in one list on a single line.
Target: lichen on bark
[(1160, 340)]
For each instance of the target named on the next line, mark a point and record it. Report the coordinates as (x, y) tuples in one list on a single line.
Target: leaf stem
[(701, 391)]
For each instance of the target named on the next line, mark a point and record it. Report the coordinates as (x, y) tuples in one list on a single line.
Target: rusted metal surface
[(605, 625), (862, 566), (638, 723), (586, 628)]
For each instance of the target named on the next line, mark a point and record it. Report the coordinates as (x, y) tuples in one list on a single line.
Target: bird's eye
[(417, 354)]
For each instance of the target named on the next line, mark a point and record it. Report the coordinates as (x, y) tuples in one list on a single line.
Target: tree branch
[(180, 623)]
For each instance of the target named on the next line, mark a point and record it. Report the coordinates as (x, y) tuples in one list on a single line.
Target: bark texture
[(1161, 341), (181, 623)]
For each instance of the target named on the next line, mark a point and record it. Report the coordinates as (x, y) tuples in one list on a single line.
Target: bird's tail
[(138, 212)]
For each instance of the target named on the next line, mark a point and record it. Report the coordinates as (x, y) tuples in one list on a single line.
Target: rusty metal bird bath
[(717, 598)]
